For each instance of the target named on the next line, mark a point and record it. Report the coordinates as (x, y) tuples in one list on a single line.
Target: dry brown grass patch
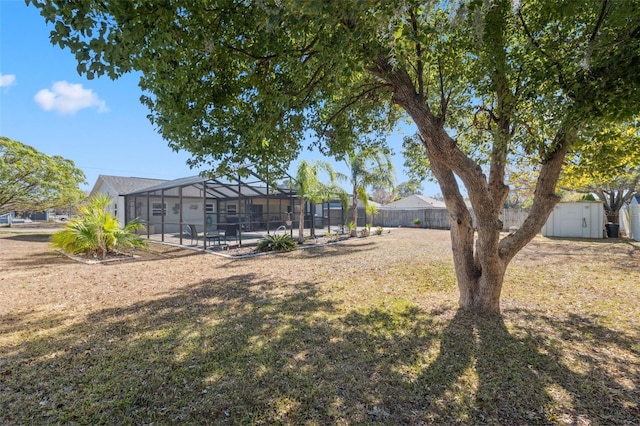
[(362, 332)]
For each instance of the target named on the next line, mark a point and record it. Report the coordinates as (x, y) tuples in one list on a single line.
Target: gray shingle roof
[(416, 202), (124, 185)]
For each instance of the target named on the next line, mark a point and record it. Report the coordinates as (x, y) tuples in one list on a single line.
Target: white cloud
[(67, 98), (7, 80)]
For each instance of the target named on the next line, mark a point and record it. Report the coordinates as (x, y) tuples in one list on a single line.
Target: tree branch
[(557, 65), (443, 98), (250, 55), (419, 63), (353, 101), (603, 13)]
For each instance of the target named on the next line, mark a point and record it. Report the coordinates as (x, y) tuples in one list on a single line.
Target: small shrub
[(277, 243), (97, 232), (353, 230), (417, 221), (332, 236), (378, 231)]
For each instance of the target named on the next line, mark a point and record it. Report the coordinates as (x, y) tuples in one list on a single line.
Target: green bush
[(277, 243), (97, 232)]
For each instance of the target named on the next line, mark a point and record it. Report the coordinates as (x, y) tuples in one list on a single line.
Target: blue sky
[(99, 124)]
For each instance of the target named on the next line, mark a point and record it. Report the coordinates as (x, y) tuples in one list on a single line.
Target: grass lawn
[(362, 332)]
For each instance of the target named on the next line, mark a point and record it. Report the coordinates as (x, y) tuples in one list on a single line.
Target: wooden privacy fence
[(429, 218), (438, 218), (513, 218)]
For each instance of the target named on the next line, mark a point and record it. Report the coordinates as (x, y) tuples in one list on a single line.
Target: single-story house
[(206, 205), (117, 187)]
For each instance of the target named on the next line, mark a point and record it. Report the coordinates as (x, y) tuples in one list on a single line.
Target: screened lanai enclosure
[(216, 212)]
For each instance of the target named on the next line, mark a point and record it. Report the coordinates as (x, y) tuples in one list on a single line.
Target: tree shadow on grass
[(243, 351), (527, 376), (31, 238), (330, 252), (41, 259)]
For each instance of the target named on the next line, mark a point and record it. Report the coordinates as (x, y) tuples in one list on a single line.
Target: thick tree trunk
[(482, 294), (613, 216), (480, 263), (479, 271)]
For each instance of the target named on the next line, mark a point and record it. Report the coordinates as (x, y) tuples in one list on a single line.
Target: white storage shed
[(583, 219), (634, 218)]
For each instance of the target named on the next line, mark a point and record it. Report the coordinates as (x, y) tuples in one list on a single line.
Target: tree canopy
[(33, 181), (607, 165), (484, 82)]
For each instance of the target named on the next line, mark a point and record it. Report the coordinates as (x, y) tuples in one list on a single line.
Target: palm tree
[(310, 189), (368, 167), (96, 231)]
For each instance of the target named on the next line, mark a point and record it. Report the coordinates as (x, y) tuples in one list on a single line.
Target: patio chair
[(192, 231)]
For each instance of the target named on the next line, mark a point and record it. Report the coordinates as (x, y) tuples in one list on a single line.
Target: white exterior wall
[(575, 220), (116, 207), (192, 213), (121, 210), (634, 220)]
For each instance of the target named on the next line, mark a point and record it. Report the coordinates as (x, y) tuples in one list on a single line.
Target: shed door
[(571, 219)]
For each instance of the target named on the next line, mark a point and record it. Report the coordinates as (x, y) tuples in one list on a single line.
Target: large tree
[(607, 166), (406, 189), (482, 80), (33, 181)]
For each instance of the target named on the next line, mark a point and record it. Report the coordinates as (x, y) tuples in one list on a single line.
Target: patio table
[(218, 236)]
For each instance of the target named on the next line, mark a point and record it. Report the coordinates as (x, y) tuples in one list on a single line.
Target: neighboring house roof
[(124, 185), (416, 202)]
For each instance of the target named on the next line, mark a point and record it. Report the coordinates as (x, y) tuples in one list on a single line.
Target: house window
[(209, 208), (115, 209), (232, 209), (158, 209)]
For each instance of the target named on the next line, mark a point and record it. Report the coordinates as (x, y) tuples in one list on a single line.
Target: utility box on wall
[(584, 219)]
